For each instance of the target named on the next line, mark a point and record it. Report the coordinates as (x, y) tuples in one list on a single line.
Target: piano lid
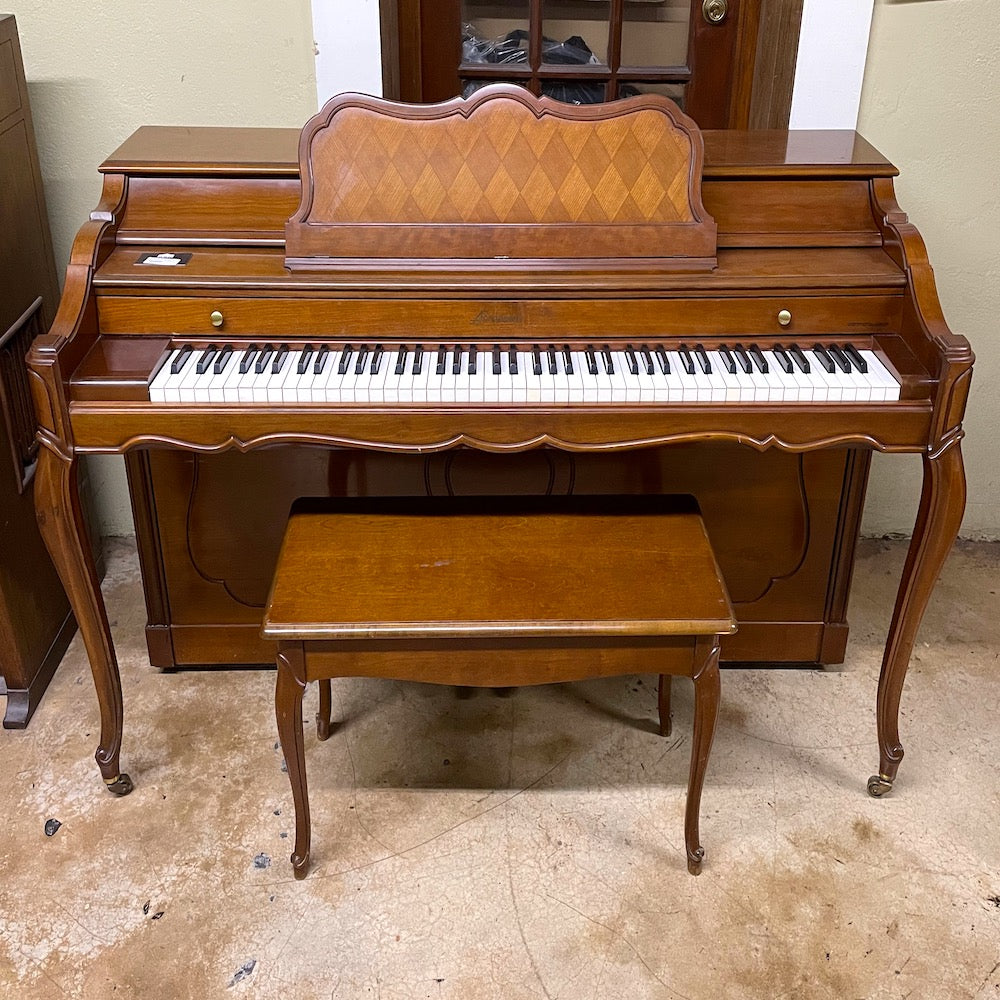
[(503, 177)]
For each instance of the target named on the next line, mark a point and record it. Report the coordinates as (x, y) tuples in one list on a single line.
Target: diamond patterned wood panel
[(503, 165), (502, 174)]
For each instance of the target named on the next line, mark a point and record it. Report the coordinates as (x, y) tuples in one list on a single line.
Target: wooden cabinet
[(35, 621)]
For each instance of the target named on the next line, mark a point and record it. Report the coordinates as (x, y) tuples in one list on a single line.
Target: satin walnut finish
[(495, 592)]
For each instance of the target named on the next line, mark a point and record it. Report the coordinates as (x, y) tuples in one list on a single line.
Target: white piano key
[(684, 383), (326, 385), (725, 388), (835, 388), (793, 389), (582, 389), (157, 386), (230, 385), (273, 380), (881, 375), (182, 391), (286, 387), (461, 380), (477, 379), (214, 391), (421, 379)]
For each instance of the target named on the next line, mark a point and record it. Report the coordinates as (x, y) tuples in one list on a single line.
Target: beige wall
[(96, 71), (930, 103)]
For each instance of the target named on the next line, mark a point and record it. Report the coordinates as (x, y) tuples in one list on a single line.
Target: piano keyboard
[(640, 373)]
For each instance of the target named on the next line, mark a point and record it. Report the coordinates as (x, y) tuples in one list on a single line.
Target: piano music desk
[(493, 592)]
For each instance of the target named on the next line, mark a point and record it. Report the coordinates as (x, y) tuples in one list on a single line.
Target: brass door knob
[(217, 318), (784, 317), (715, 11)]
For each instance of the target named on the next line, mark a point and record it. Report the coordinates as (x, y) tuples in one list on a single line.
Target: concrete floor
[(527, 846)]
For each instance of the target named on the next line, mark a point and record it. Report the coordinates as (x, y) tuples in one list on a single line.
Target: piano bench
[(496, 592)]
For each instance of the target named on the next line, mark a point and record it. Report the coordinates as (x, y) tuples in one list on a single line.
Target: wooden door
[(702, 53)]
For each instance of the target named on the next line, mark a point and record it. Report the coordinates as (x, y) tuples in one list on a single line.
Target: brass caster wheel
[(122, 785), (878, 785)]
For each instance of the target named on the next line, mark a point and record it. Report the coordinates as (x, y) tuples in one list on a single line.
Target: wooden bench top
[(496, 566)]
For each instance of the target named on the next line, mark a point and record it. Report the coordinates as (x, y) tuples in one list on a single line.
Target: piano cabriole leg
[(942, 504), (64, 531)]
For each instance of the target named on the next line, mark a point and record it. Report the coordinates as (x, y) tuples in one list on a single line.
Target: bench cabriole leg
[(706, 714), (325, 709), (663, 703), (288, 693)]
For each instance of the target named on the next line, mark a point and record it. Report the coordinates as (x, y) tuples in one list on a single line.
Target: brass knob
[(784, 317), (715, 11), (217, 318)]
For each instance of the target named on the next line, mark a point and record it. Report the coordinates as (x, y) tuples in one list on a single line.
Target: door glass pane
[(494, 31), (655, 32), (575, 32), (675, 91), (576, 91)]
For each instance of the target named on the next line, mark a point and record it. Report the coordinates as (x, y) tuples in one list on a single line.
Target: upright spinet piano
[(503, 276)]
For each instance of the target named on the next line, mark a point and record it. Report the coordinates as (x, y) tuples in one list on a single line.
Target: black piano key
[(686, 360), (223, 359), (536, 360), (631, 360), (758, 358), (442, 360), (843, 363), (702, 355), (609, 363), (647, 359), (512, 359), (456, 368), (400, 360), (496, 359), (591, 361), (859, 362), (263, 358), (363, 351), (662, 357), (741, 356), (783, 359), (567, 359), (823, 358), (345, 360), (727, 359), (181, 360), (304, 358), (247, 360), (473, 359), (206, 358), (418, 359), (377, 356), (799, 358), (279, 359), (322, 356), (551, 354)]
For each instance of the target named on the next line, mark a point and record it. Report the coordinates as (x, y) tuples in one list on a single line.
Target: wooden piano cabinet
[(811, 247), (36, 623), (783, 527)]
